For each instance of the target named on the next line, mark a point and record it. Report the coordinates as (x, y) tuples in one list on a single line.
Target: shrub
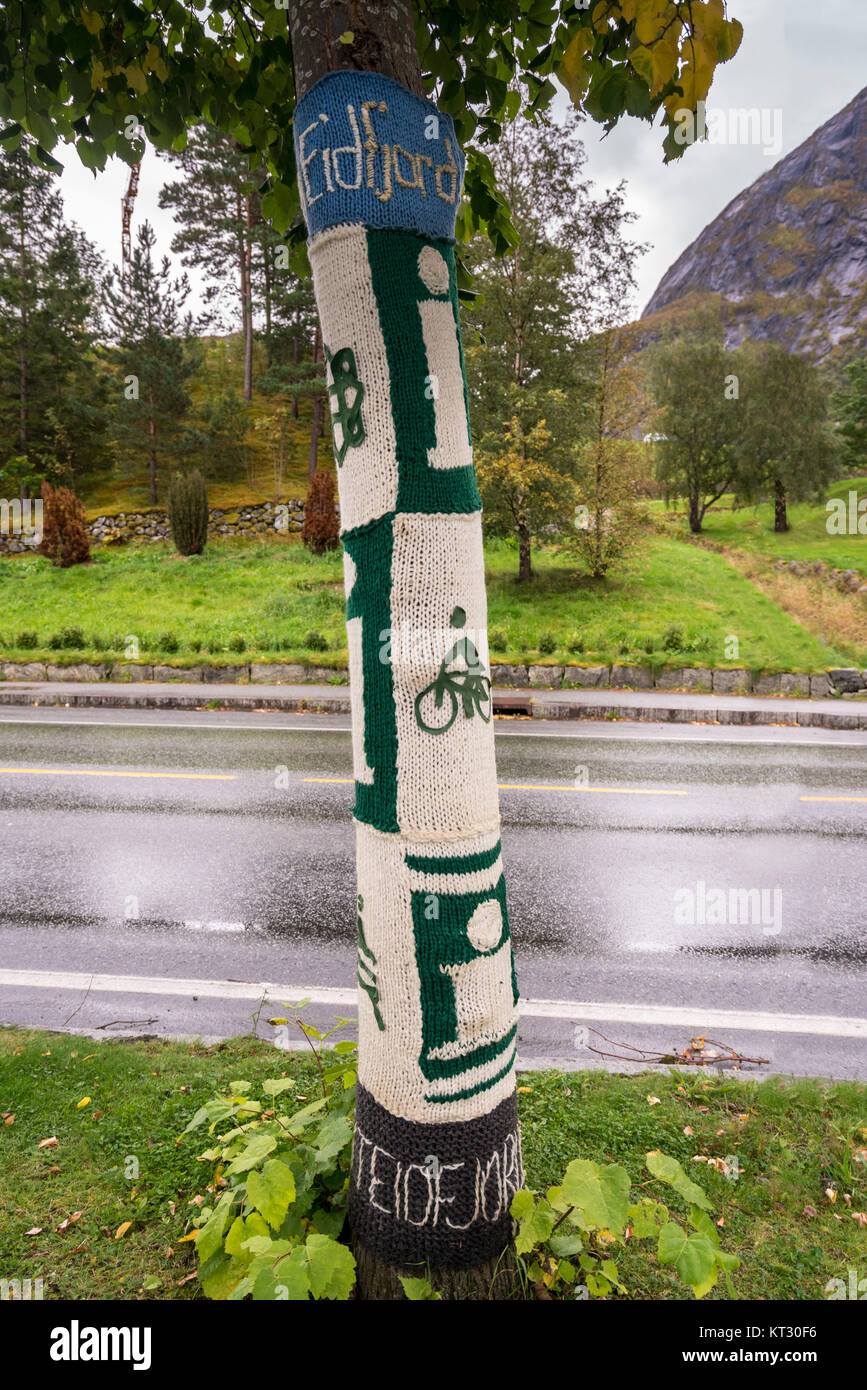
[(237, 643), (672, 639), (64, 531), (68, 638), (321, 529), (27, 640), (547, 643), (576, 644), (168, 642), (497, 640), (187, 505), (315, 642)]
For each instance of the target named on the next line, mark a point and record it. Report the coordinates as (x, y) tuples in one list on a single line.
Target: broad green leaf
[(535, 1228), (292, 1273), (272, 1191), (692, 1255), (669, 1170), (257, 1149), (601, 1194), (276, 1086), (210, 1237), (522, 1204), (331, 1268), (418, 1290)]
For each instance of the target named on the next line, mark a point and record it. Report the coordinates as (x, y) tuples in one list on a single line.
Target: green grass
[(791, 1140), (258, 600), (752, 529)]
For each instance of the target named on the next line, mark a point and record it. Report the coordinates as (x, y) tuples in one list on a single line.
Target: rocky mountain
[(787, 259)]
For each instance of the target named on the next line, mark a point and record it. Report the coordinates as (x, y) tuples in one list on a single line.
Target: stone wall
[(153, 525)]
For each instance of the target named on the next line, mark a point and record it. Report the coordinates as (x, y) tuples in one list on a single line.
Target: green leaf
[(535, 1228), (257, 1149), (331, 1268), (419, 1290), (669, 1170), (601, 1194), (272, 1191), (522, 1204), (292, 1273), (210, 1237), (278, 1086), (692, 1255)]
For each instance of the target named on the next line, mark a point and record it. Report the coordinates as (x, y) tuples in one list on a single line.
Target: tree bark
[(694, 514), (152, 452), (525, 568), (248, 305), (781, 518)]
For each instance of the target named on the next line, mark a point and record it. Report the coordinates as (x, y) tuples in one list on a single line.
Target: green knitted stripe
[(454, 864), (370, 547), (398, 288), (441, 941), (480, 1086)]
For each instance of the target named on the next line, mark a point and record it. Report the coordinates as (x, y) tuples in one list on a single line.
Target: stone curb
[(843, 680), (664, 707)]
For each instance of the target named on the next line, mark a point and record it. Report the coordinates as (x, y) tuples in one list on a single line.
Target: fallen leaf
[(719, 1164), (831, 1194), (860, 1217), (860, 1155), (196, 1201), (97, 1114), (34, 1231), (191, 1236), (171, 1208), (8, 1119), (82, 1103), (653, 1100), (186, 1279), (170, 1250), (522, 1090), (122, 1230), (48, 1143), (88, 1057), (70, 1220), (700, 1158), (722, 1221), (687, 1129), (809, 1211), (55, 1168)]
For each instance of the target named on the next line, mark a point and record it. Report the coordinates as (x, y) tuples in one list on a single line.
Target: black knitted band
[(437, 1194)]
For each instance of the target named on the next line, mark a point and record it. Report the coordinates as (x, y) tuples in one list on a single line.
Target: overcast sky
[(800, 62)]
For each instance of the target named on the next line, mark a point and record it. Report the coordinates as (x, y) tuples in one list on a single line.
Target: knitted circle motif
[(433, 270)]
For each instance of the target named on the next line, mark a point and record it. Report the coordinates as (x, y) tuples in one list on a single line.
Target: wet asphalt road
[(223, 858)]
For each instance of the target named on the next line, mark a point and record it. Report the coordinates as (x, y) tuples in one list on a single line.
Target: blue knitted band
[(370, 151)]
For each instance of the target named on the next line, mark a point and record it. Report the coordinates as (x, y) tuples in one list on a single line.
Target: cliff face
[(787, 258)]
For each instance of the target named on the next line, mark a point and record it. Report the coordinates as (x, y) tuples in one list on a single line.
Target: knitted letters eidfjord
[(437, 1155)]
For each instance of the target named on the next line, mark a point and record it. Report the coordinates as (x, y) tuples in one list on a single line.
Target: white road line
[(824, 1025)]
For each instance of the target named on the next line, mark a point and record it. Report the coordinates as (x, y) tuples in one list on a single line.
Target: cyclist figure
[(470, 686)]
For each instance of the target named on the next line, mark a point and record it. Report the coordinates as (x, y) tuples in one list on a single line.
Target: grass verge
[(674, 604), (117, 1109)]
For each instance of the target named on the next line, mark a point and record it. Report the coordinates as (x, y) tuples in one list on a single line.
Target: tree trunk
[(152, 452), (781, 518), (295, 364), (436, 1157), (248, 306), (525, 569), (695, 514)]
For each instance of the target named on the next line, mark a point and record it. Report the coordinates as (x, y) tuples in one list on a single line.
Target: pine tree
[(52, 391), (217, 207), (153, 358)]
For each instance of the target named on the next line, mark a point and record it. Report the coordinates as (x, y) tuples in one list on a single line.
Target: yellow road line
[(533, 787), (87, 772), (832, 798)]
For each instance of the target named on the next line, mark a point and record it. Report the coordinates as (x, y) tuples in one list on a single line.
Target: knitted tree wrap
[(437, 1151)]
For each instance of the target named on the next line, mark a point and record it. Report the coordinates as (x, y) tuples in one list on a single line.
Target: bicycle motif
[(469, 687)]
